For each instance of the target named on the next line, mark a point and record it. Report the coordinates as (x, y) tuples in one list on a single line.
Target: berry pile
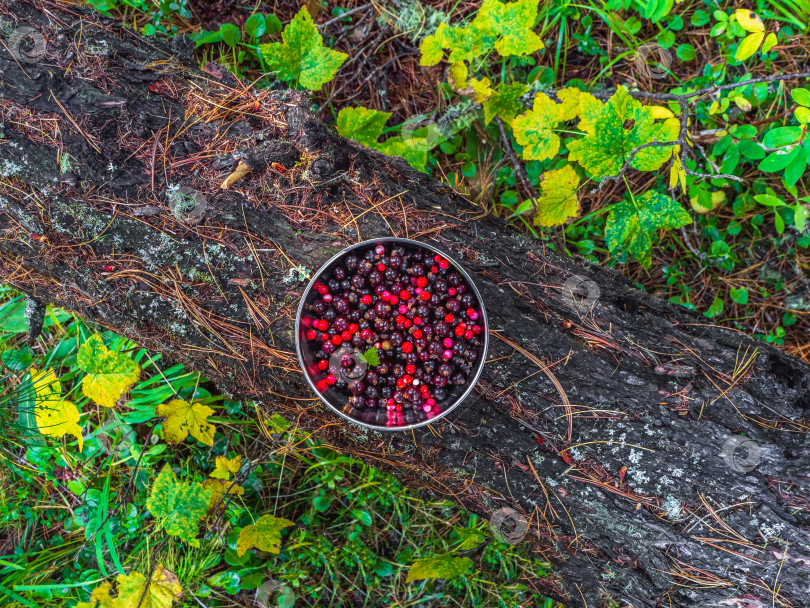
[(418, 317)]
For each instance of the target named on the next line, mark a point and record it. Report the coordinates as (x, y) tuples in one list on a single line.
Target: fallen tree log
[(660, 460)]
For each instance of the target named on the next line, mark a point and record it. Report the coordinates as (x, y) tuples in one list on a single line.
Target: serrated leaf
[(431, 48), (219, 490), (264, 535), (631, 223), (534, 130), (179, 505), (749, 20), (226, 467), (54, 416), (748, 46), (301, 56), (622, 126), (184, 419), (579, 103), (512, 23), (161, 592), (506, 103), (371, 356), (558, 197), (109, 374), (443, 566), (362, 125)]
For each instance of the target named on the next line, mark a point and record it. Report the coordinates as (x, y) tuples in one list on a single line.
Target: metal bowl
[(338, 400)]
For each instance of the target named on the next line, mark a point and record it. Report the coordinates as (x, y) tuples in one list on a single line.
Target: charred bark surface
[(606, 427)]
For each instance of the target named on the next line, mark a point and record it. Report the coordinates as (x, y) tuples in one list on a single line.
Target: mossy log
[(612, 426)]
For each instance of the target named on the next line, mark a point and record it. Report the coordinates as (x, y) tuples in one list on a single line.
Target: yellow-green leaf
[(184, 419), (264, 535), (431, 48), (162, 591), (109, 374), (54, 416), (443, 566), (219, 488), (748, 46), (512, 24), (225, 467), (363, 125), (506, 103), (470, 538), (623, 125), (633, 221), (802, 115), (770, 42), (749, 20), (302, 56), (457, 75), (534, 130), (558, 197), (179, 505)]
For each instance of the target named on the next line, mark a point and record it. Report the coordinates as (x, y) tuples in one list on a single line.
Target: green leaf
[(781, 136), (362, 125), (322, 503), (203, 37), (622, 125), (700, 18), (371, 356), (776, 161), (179, 505), (230, 34), (749, 46), (274, 25), (558, 197), (443, 566), (12, 317), (302, 56), (799, 216), (184, 419), (109, 374), (739, 295), (256, 25), (716, 308), (795, 169), (769, 200), (264, 535), (666, 38), (685, 52), (534, 130), (632, 222), (506, 103)]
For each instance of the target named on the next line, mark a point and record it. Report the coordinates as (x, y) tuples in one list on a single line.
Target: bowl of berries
[(391, 334)]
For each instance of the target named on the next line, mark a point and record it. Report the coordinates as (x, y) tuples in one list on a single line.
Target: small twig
[(344, 15)]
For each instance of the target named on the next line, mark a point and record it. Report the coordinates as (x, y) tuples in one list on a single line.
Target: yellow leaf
[(219, 488), (749, 20), (743, 104), (161, 592), (54, 415), (676, 172), (226, 467), (718, 198), (558, 197), (661, 112), (457, 75), (264, 535), (481, 89), (184, 419), (749, 46), (803, 115), (770, 42), (109, 374)]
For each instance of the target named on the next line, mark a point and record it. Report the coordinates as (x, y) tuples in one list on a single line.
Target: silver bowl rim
[(412, 242)]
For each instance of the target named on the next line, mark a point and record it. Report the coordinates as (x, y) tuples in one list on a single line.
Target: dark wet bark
[(212, 284)]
